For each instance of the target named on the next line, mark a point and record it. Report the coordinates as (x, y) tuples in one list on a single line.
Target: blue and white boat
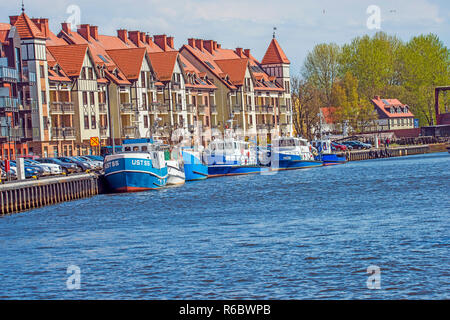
[(289, 153), (194, 168), (325, 153), (231, 157), (139, 167)]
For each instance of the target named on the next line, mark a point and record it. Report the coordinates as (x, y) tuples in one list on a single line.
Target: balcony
[(129, 132), (102, 108), (176, 86), (213, 109), (178, 107), (28, 78), (104, 132), (9, 104), (248, 108), (63, 133), (163, 108), (8, 74), (68, 107), (283, 109), (29, 105), (237, 109), (270, 109), (190, 108), (126, 107), (202, 109)]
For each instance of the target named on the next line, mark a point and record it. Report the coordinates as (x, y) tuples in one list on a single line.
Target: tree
[(425, 64), (373, 61), (306, 100), (321, 69), (350, 107)]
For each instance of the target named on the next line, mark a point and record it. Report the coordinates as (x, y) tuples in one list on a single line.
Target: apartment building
[(132, 85), (16, 104), (252, 98)]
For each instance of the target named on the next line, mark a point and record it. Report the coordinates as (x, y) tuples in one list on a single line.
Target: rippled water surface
[(307, 234)]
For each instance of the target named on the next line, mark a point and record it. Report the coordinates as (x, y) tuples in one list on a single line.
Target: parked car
[(354, 144), (42, 171), (54, 169), (85, 166), (30, 171), (66, 167), (97, 158), (339, 147), (97, 165)]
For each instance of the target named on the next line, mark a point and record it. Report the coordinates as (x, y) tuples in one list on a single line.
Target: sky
[(301, 24)]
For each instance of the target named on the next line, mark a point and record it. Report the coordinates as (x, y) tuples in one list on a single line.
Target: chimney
[(247, 53), (85, 31), (66, 27), (170, 42), (94, 32), (219, 46), (148, 39), (191, 42), (215, 45), (122, 34), (238, 52), (135, 37), (209, 45), (161, 41), (42, 25), (199, 44)]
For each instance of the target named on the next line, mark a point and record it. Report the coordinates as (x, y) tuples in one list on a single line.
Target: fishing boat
[(194, 168), (289, 153), (326, 154), (139, 167), (231, 157), (174, 162)]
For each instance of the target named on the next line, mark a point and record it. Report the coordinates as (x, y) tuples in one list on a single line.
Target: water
[(307, 234)]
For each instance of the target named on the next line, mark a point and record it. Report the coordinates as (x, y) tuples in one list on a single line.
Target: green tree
[(321, 69), (425, 64), (357, 111), (373, 61)]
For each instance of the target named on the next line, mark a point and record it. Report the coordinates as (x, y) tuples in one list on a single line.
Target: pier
[(18, 196), (392, 152)]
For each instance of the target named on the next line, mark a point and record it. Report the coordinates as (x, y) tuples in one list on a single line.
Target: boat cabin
[(322, 146)]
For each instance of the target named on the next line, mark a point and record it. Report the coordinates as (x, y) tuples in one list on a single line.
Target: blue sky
[(249, 24)]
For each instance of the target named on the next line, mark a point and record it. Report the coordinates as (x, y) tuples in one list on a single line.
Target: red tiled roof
[(329, 114), (163, 63), (5, 26), (274, 54), (384, 108), (129, 61), (234, 68), (26, 28), (70, 57)]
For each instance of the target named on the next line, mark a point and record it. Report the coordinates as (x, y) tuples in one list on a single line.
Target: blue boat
[(325, 153), (138, 168), (290, 153), (231, 157), (194, 168)]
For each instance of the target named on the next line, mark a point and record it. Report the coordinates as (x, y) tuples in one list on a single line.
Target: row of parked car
[(350, 145), (40, 167)]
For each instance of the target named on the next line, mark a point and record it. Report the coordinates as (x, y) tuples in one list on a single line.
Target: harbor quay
[(20, 196)]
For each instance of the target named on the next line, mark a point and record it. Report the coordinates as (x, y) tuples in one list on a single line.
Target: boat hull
[(234, 170), (292, 162), (333, 159), (133, 173), (176, 175), (194, 169)]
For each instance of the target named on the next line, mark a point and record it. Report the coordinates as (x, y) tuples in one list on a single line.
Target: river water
[(308, 234)]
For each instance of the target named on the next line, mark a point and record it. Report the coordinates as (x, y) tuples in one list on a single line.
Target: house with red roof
[(392, 114), (252, 97), (16, 82)]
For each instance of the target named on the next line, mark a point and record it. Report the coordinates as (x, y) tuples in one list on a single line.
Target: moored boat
[(325, 153), (231, 157), (139, 167), (194, 168), (289, 153)]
